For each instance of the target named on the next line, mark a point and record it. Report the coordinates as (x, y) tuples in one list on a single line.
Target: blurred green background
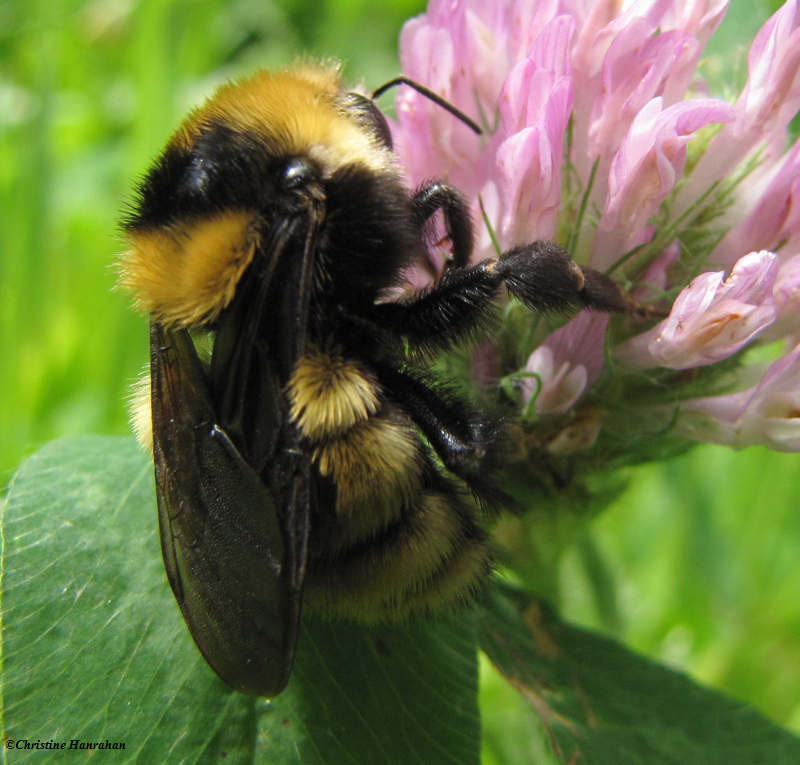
[(698, 564)]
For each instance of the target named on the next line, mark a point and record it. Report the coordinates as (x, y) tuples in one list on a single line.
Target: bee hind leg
[(470, 445), (544, 277)]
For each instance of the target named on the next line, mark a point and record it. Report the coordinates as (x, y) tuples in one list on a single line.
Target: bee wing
[(224, 549), (232, 482)]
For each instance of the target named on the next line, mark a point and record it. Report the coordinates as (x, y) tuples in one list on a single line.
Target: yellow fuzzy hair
[(140, 412), (375, 466), (294, 109), (329, 395), (186, 273), (428, 561)]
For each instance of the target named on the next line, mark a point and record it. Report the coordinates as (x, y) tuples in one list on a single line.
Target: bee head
[(258, 154)]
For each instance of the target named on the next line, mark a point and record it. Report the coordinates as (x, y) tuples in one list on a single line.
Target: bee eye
[(296, 173), (368, 116), (197, 176)]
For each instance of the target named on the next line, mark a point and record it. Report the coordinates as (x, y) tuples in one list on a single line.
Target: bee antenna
[(428, 93)]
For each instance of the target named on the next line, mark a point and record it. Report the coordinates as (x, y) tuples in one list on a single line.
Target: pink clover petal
[(568, 363), (526, 170), (561, 386), (526, 23), (646, 168), (774, 215), (485, 45), (699, 18), (752, 278), (770, 99), (633, 73), (771, 96), (711, 319), (528, 167), (624, 58), (697, 21), (654, 152), (535, 105), (539, 80), (768, 413), (655, 278), (786, 298), (430, 142), (787, 289)]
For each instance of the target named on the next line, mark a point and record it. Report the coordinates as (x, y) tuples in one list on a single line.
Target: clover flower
[(600, 134)]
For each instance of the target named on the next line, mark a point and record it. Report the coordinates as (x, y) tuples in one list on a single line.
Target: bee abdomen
[(373, 459), (401, 537), (436, 554)]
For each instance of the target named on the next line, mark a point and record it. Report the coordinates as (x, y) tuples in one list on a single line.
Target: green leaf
[(601, 703), (94, 647), (381, 695)]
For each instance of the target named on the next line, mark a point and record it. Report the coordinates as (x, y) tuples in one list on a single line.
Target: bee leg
[(461, 303), (438, 196), (544, 277), (468, 444)]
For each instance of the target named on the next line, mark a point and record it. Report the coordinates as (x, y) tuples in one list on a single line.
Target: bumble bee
[(304, 450)]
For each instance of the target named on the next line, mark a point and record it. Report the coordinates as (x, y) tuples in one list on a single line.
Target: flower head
[(600, 133)]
